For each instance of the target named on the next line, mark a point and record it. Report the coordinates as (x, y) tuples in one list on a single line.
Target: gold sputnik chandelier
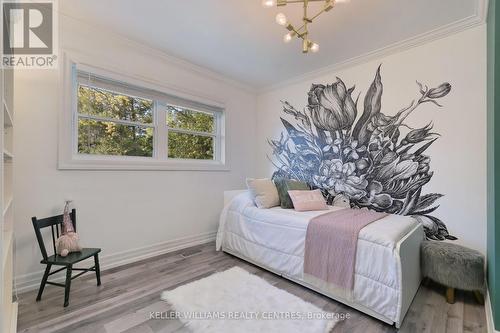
[(301, 32)]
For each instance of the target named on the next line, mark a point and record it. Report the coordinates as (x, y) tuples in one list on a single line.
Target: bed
[(387, 266)]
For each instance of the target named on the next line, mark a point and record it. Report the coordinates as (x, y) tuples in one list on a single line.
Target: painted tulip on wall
[(332, 107), (369, 159)]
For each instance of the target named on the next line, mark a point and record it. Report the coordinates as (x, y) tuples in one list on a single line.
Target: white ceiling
[(240, 39)]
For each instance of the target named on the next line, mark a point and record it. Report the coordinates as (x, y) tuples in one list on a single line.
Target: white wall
[(120, 211), (458, 156)]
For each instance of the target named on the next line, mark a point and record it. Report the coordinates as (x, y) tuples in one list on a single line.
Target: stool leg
[(450, 295), (479, 297)]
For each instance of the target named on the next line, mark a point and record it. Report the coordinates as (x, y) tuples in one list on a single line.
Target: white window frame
[(70, 159)]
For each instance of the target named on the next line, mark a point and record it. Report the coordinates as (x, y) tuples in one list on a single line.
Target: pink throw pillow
[(308, 200)]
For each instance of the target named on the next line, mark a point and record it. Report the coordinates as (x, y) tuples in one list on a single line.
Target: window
[(116, 123), (191, 134), (111, 123)]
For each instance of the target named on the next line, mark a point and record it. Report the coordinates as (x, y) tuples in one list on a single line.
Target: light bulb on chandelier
[(287, 38), (281, 19), (314, 47), (268, 3)]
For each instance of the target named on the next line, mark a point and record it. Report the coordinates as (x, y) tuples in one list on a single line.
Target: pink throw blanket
[(331, 244)]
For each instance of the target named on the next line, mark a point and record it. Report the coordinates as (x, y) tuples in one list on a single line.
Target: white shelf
[(7, 206), (7, 243), (8, 121), (8, 308), (7, 156)]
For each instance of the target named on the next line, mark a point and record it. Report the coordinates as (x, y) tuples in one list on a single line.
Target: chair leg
[(44, 281), (67, 285), (450, 295), (97, 269)]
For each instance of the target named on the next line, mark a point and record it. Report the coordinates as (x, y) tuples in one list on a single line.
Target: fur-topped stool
[(455, 267)]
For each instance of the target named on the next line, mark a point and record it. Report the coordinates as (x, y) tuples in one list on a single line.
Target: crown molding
[(477, 19), (161, 55)]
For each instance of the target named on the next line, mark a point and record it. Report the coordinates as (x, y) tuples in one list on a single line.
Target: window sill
[(140, 164)]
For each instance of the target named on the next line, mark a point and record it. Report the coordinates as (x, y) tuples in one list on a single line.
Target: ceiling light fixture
[(301, 32)]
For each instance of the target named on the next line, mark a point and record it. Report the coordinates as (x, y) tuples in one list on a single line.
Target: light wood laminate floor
[(129, 293)]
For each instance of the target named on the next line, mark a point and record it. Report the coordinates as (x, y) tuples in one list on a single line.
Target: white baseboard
[(13, 319), (489, 314), (32, 280)]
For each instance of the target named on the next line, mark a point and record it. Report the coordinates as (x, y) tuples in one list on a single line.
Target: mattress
[(275, 238)]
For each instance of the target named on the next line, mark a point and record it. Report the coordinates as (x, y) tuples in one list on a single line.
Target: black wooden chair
[(55, 222)]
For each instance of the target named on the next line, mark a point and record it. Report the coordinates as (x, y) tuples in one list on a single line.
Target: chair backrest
[(54, 222)]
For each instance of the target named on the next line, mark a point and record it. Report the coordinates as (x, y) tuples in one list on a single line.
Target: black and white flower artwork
[(378, 161)]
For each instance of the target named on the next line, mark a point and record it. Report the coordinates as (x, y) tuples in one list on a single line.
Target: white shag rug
[(236, 301)]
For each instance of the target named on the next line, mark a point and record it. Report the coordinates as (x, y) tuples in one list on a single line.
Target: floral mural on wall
[(378, 161)]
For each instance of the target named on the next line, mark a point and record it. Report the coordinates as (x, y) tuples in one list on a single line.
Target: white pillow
[(264, 192)]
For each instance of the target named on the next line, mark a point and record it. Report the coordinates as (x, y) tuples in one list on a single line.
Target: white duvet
[(275, 238)]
